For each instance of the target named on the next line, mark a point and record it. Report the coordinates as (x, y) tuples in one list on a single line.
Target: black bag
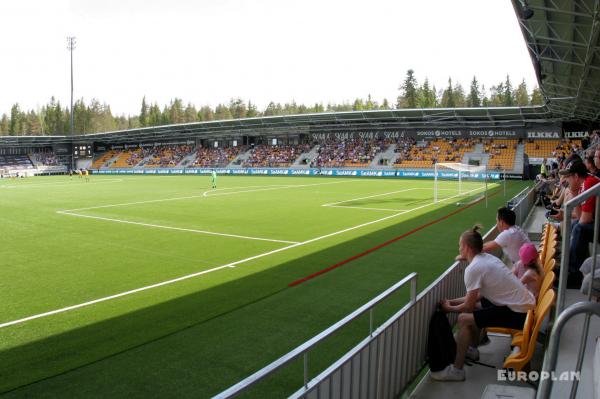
[(441, 346)]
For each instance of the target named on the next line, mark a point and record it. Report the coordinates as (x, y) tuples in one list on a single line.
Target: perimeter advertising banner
[(539, 132), (425, 173)]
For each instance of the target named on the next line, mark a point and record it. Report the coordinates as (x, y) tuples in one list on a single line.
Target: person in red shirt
[(582, 231)]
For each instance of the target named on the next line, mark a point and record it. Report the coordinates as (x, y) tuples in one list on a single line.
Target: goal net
[(459, 183)]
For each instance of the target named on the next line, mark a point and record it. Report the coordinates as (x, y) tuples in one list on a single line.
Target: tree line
[(54, 118)]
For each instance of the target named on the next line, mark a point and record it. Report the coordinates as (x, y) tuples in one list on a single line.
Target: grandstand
[(137, 286)]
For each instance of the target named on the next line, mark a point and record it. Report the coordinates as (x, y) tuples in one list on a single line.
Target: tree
[(15, 127), (144, 113), (190, 114), (426, 96), (237, 108), (358, 105), (497, 95), (507, 96), (474, 98), (252, 110), (448, 96), (206, 113), (385, 104), (222, 112), (521, 95), (4, 125), (536, 97), (408, 91)]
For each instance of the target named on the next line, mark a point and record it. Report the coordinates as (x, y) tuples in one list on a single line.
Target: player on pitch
[(213, 179)]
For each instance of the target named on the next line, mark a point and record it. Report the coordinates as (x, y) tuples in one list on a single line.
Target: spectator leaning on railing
[(511, 237), (582, 231)]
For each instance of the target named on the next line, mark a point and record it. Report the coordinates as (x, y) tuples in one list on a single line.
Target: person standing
[(213, 178)]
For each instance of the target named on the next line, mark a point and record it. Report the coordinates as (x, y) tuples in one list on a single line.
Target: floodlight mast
[(71, 47)]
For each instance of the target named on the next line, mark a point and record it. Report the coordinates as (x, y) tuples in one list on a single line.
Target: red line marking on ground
[(385, 244)]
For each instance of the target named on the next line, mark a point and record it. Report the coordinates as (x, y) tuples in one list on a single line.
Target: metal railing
[(551, 357), (384, 364), (304, 349), (525, 200), (552, 352)]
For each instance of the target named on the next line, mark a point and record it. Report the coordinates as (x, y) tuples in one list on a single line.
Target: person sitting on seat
[(495, 298), (511, 237), (528, 269)]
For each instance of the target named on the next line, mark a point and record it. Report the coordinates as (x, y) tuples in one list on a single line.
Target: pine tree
[(252, 110), (4, 125), (143, 118), (536, 97), (508, 98), (15, 128), (448, 96), (426, 96), (521, 95), (385, 104), (358, 105), (408, 91), (474, 99)]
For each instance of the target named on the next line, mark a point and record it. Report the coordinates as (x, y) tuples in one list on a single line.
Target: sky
[(209, 51)]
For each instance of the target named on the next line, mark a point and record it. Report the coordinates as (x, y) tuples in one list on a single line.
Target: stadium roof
[(562, 37), (435, 118)]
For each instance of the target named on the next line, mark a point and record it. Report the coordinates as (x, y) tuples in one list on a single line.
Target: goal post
[(460, 181)]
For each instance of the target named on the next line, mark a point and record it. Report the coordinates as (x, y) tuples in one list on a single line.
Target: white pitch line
[(230, 265), (275, 187), (158, 226), (362, 207), (59, 184), (268, 188), (371, 196)]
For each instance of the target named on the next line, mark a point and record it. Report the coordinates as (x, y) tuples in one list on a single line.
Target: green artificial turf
[(196, 337)]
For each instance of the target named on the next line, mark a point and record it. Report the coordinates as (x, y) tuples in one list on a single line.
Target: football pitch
[(137, 286)]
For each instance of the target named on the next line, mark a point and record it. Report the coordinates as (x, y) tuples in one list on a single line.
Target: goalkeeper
[(213, 179)]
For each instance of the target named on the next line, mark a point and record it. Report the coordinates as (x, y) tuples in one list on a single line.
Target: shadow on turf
[(123, 353)]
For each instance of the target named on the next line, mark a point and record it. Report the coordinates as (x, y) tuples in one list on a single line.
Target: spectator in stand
[(511, 237), (528, 269), (495, 298), (582, 231), (586, 270), (597, 161), (591, 166)]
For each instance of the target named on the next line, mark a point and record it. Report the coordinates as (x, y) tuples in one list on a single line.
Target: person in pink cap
[(528, 269)]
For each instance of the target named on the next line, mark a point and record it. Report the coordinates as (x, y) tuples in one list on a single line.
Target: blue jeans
[(581, 236)]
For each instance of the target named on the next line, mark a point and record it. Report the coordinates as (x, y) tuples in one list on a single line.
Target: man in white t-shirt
[(495, 298), (511, 237)]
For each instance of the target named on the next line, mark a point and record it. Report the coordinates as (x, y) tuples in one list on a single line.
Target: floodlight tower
[(71, 47)]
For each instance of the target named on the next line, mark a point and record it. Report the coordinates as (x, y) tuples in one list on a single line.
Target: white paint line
[(230, 265), (158, 226), (107, 298), (268, 188), (362, 207), (195, 196), (371, 196), (72, 184)]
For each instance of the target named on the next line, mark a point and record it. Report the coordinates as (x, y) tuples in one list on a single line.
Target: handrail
[(549, 365), (566, 241), (308, 345), (562, 284)]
